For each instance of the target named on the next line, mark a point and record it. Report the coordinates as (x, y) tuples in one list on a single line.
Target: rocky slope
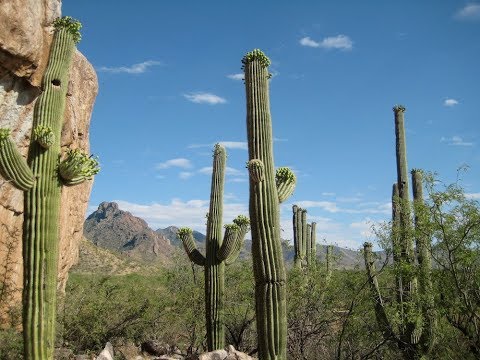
[(114, 229), (25, 37), (122, 233), (171, 234)]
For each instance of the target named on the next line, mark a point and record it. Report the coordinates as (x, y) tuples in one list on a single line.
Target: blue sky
[(170, 87)]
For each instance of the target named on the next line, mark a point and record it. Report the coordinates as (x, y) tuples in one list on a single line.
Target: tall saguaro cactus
[(219, 251), (41, 180), (267, 190), (414, 331)]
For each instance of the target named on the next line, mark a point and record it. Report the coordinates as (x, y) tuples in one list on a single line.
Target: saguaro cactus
[(265, 197), (41, 181), (304, 239), (218, 252), (415, 316)]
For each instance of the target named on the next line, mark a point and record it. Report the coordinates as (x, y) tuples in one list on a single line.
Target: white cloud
[(474, 196), (180, 213), (235, 144), (364, 228), (450, 102), (238, 180), (185, 175), (456, 141), (238, 76), (306, 41), (328, 194), (179, 162), (469, 12), (227, 144), (204, 98), (332, 207), (342, 42), (132, 69)]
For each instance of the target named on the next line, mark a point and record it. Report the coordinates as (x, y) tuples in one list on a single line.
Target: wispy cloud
[(185, 175), (204, 98), (456, 141), (179, 162), (332, 207), (180, 213), (132, 69), (238, 76), (341, 42), (450, 102), (474, 196), (469, 12), (328, 193), (228, 145)]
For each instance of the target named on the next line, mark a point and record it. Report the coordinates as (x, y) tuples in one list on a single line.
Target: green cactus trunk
[(297, 243), (219, 252), (214, 268), (41, 183), (405, 233), (267, 255), (423, 243), (313, 243), (42, 205), (309, 244)]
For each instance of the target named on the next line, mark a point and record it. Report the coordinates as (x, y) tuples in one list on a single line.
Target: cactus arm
[(309, 244), (195, 256), (230, 239), (243, 223), (428, 336), (296, 237), (285, 180), (77, 167), (12, 164), (303, 230), (268, 266), (313, 240), (379, 306)]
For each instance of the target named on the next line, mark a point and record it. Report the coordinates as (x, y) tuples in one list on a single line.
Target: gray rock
[(107, 353), (228, 354)]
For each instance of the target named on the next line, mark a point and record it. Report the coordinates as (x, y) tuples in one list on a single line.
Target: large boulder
[(229, 353), (25, 38)]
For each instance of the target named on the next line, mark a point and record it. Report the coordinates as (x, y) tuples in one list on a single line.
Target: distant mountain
[(118, 230), (171, 234)]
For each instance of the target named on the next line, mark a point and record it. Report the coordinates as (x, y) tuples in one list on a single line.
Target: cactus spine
[(415, 332), (41, 182), (267, 256), (218, 252)]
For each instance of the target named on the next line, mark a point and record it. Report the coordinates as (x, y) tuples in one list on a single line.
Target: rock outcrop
[(171, 234), (118, 230), (25, 37)]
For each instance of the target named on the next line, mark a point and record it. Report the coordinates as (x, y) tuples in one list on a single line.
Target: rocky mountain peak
[(115, 229)]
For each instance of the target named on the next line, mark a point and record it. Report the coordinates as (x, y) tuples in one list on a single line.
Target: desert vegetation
[(421, 300)]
